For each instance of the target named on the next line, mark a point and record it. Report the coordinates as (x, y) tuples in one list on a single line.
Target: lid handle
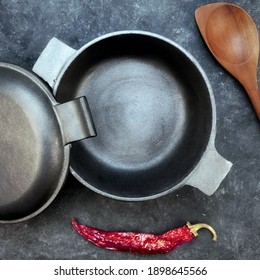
[(76, 120)]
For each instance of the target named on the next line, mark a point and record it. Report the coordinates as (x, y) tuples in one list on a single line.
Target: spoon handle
[(255, 99)]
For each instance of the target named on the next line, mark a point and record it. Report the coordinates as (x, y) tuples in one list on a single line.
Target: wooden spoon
[(232, 37)]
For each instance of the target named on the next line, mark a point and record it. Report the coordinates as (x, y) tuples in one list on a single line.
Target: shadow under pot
[(35, 136), (153, 109)]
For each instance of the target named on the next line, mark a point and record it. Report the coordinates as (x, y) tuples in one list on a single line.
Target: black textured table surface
[(233, 210)]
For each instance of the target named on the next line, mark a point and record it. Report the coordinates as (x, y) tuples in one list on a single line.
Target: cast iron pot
[(35, 136), (153, 109)]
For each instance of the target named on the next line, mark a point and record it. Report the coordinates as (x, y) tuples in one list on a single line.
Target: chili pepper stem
[(196, 227)]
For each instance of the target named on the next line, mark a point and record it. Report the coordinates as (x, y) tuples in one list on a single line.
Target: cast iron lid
[(35, 132)]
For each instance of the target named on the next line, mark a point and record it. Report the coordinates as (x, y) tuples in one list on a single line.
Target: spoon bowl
[(232, 37)]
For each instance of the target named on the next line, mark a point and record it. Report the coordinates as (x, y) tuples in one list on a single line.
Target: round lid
[(33, 160)]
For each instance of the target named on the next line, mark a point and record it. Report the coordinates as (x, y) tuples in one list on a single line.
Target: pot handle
[(210, 171), (75, 119), (52, 60)]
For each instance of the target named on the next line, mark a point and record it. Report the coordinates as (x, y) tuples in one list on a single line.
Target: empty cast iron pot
[(35, 137), (153, 109)]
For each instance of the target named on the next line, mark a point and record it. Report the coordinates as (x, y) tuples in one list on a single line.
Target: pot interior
[(152, 111)]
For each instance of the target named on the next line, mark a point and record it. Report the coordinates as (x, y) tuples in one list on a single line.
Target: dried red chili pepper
[(142, 243)]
